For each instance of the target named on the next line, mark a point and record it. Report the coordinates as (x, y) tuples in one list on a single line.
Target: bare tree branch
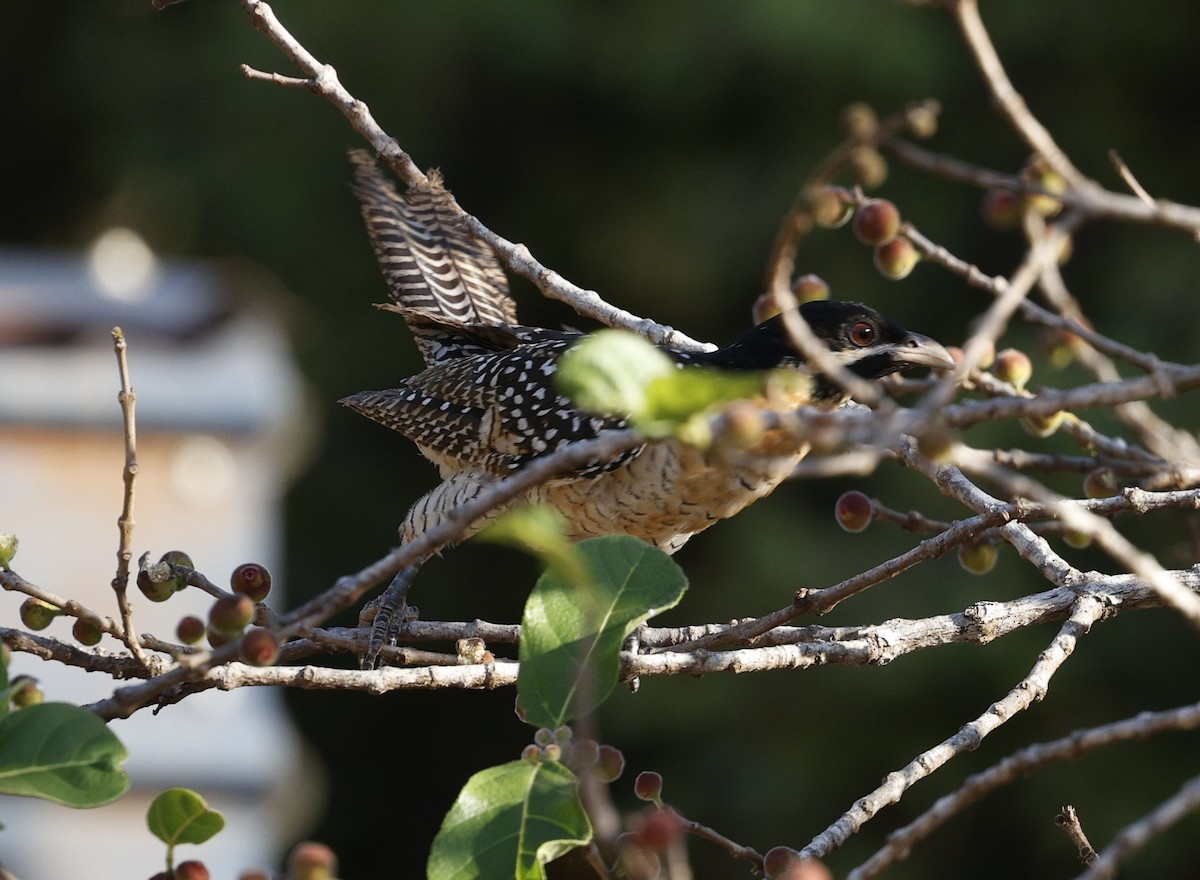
[(1030, 689), (1017, 765)]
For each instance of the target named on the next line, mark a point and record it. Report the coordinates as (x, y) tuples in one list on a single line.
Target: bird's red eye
[(862, 333)]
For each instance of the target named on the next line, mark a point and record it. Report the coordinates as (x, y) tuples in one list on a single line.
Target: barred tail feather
[(432, 265)]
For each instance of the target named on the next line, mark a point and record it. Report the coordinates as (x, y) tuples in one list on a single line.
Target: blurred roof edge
[(207, 344)]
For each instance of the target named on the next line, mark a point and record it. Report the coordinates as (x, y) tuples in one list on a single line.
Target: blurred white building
[(220, 431)]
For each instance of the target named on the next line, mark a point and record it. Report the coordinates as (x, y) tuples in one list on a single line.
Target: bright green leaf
[(5, 690), (509, 821), (613, 372), (61, 753), (179, 815), (6, 695), (608, 372), (571, 637), (677, 404), (683, 393), (538, 529)]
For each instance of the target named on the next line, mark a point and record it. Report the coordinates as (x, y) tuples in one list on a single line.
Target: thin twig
[(1155, 433), (1032, 688), (120, 583), (735, 849), (798, 222), (1068, 820), (322, 80), (1093, 201), (1017, 765), (1116, 545), (277, 78), (125, 701), (1132, 838), (1008, 100), (1130, 181)]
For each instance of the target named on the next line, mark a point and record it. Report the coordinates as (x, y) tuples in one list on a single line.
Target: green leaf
[(683, 393), (61, 753), (538, 529), (5, 691), (608, 372), (509, 821), (571, 635), (613, 372), (6, 696), (179, 815)]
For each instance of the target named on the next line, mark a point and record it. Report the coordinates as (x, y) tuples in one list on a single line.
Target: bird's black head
[(864, 341)]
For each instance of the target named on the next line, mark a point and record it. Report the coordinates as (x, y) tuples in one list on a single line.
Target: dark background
[(648, 151)]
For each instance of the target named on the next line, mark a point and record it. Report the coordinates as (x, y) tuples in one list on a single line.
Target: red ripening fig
[(853, 511), (192, 870), (896, 259), (1002, 209), (230, 615), (310, 860), (1014, 367), (659, 829), (778, 860), (532, 754), (648, 786), (251, 579), (259, 647), (610, 764), (190, 630), (765, 307), (803, 869), (876, 221)]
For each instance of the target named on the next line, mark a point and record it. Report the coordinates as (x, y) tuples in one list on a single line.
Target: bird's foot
[(386, 615)]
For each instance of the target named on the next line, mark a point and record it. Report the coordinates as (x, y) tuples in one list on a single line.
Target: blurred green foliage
[(648, 150)]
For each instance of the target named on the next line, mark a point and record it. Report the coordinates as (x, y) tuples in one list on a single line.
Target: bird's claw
[(391, 612)]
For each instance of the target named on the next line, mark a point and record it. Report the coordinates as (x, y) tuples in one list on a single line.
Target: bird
[(486, 403)]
